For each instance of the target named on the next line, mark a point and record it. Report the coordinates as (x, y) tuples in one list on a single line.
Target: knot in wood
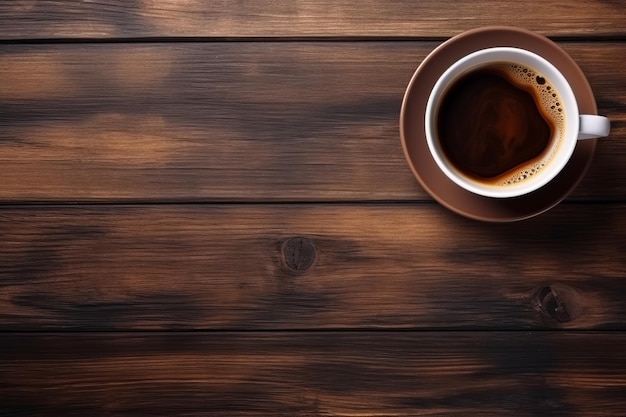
[(299, 254), (554, 305)]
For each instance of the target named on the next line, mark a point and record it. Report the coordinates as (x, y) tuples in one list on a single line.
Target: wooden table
[(205, 210)]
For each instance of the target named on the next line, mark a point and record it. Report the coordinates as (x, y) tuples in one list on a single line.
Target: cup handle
[(593, 126)]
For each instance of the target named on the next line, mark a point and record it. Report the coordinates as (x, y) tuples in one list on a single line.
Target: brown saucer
[(423, 165)]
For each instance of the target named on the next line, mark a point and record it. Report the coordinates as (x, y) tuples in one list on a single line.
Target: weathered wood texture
[(258, 121), (377, 266), (315, 374), (329, 307), (298, 18)]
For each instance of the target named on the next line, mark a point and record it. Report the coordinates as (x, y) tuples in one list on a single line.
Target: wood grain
[(302, 270), (314, 374), (300, 18), (377, 266), (258, 121)]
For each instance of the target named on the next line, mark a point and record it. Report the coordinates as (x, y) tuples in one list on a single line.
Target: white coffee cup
[(575, 126)]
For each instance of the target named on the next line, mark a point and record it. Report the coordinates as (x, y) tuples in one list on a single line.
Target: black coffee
[(497, 124)]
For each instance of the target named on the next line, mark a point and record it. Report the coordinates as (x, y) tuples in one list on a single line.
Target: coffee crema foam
[(550, 105)]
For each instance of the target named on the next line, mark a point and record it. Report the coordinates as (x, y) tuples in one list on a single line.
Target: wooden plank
[(297, 18), (375, 266), (258, 121), (321, 374)]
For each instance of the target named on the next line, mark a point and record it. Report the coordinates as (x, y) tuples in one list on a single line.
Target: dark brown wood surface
[(303, 18), (315, 374), (205, 210), (260, 121), (377, 266)]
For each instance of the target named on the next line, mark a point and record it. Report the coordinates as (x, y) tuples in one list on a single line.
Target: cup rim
[(521, 56)]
